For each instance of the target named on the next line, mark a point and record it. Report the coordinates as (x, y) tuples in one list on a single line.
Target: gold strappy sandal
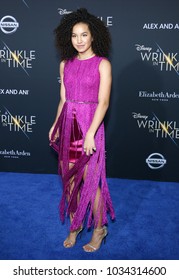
[(68, 243), (102, 239)]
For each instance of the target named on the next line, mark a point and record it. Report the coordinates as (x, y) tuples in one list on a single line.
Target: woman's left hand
[(89, 144)]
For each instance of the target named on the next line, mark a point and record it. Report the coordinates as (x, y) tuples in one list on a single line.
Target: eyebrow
[(81, 33)]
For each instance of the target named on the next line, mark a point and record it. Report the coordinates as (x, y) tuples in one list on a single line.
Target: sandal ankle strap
[(99, 229)]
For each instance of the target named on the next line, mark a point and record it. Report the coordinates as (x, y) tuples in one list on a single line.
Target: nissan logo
[(156, 161), (8, 24)]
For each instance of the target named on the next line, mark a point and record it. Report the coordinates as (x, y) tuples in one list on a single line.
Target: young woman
[(78, 130)]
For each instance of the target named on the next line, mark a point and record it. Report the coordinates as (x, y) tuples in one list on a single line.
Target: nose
[(79, 39)]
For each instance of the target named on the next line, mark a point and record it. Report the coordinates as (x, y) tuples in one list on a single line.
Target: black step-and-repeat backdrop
[(142, 124)]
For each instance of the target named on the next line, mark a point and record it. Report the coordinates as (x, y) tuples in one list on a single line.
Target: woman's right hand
[(50, 134)]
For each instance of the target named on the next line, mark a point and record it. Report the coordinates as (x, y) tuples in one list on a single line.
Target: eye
[(73, 35)]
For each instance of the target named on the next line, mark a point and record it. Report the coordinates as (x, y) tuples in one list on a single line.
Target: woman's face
[(81, 38)]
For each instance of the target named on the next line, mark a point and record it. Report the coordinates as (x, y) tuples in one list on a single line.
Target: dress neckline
[(85, 58)]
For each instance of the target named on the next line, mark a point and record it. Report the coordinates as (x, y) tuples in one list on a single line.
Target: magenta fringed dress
[(81, 80)]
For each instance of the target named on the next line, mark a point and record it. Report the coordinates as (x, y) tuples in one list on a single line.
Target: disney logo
[(139, 116), (63, 11), (142, 48)]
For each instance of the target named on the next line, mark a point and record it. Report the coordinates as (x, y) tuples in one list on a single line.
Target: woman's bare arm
[(103, 104)]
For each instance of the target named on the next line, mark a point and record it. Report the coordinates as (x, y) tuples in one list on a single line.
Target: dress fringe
[(80, 201)]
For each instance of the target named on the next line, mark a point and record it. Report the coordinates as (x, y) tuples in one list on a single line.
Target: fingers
[(89, 151), (54, 137), (50, 135), (89, 145)]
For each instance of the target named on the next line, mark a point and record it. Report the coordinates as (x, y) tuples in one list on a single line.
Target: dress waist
[(81, 102)]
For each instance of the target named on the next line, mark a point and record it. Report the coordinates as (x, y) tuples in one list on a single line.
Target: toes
[(88, 248), (68, 244)]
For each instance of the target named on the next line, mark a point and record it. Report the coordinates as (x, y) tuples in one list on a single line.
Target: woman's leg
[(99, 232), (71, 239)]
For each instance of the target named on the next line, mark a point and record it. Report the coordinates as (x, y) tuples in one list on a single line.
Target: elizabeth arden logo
[(14, 153), (158, 96)]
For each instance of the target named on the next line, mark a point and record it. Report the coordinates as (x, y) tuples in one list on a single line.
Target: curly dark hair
[(100, 33)]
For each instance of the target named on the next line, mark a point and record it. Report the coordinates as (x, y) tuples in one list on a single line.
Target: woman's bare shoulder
[(105, 65)]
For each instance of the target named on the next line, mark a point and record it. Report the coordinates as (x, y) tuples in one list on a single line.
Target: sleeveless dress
[(81, 81)]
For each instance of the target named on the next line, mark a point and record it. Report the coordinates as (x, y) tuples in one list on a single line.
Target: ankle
[(98, 229)]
